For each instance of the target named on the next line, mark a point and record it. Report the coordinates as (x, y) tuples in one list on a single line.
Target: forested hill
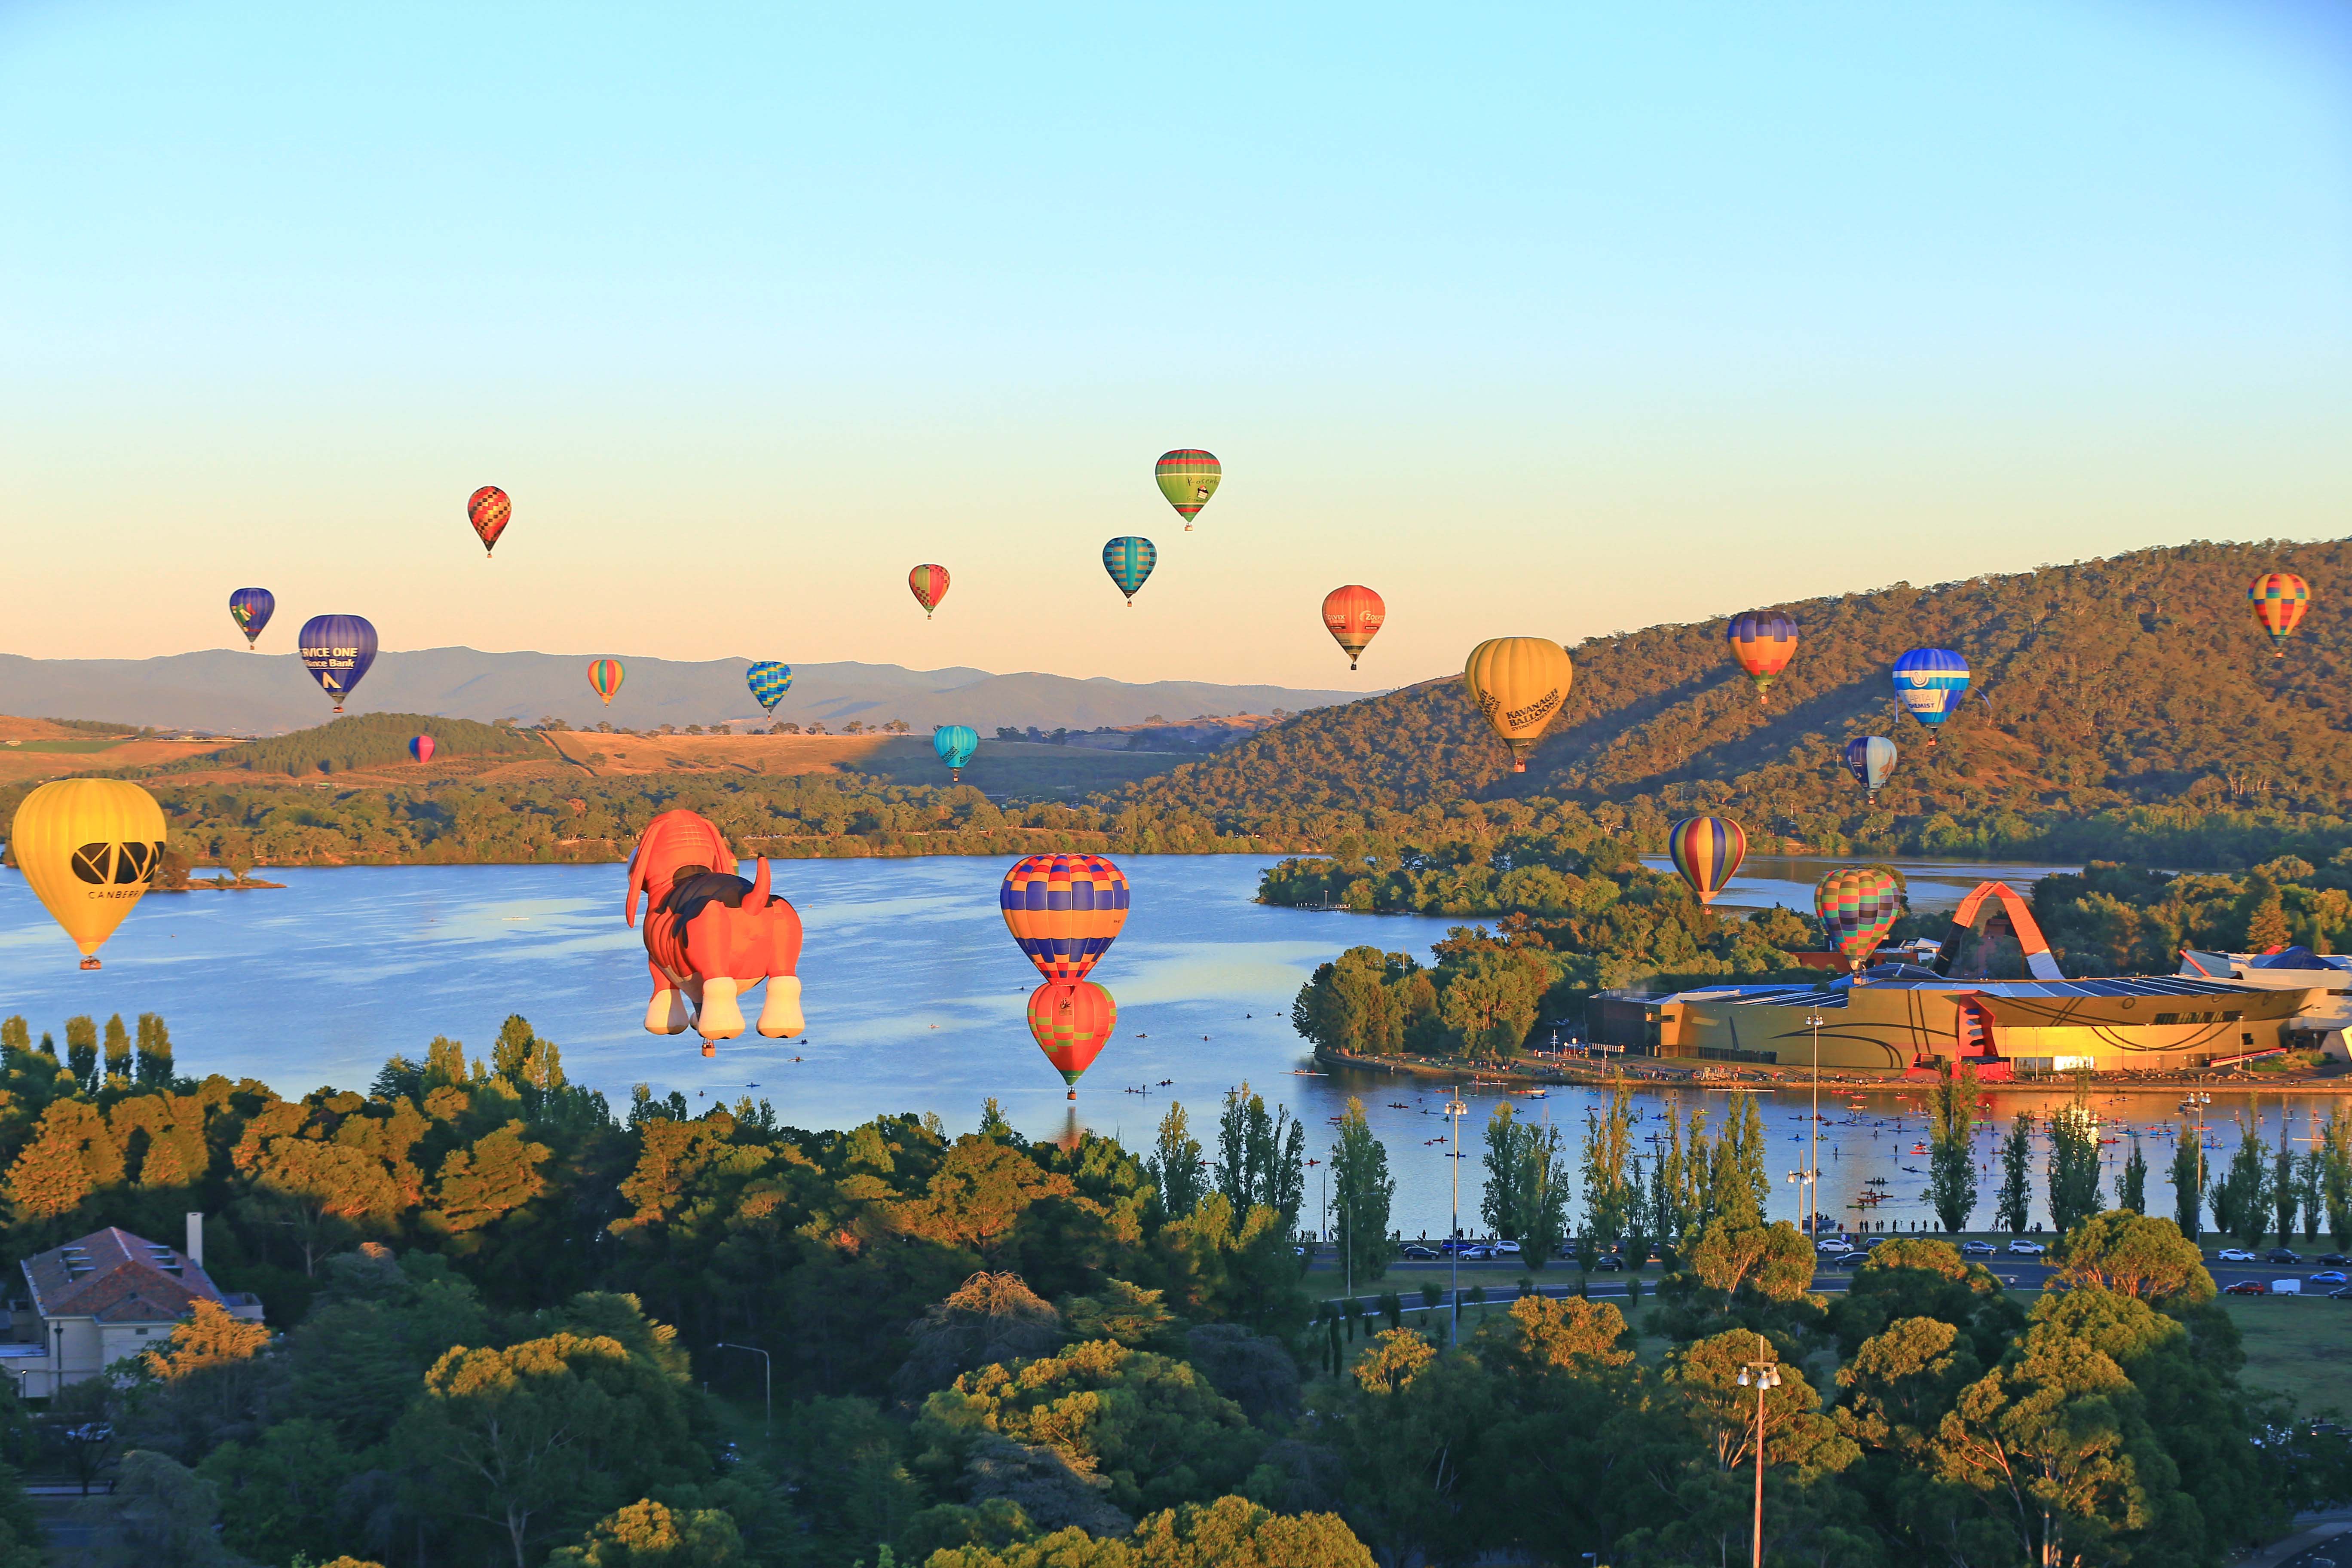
[(2137, 681)]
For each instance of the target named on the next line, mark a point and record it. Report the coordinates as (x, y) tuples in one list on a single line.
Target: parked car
[(1853, 1259), (1976, 1249), (1831, 1246), (1506, 1249), (1610, 1263), (1417, 1252), (2024, 1248), (1476, 1252), (1875, 1242), (2236, 1255), (2280, 1255), (2343, 1295), (2331, 1277), (2247, 1287)]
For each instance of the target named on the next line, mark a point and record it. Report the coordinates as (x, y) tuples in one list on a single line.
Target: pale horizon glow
[(1534, 320)]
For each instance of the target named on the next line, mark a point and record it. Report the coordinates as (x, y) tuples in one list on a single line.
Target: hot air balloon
[(1071, 1019), (1858, 906), (421, 748), (489, 509), (1707, 851), (955, 743), (251, 608), (89, 847), (1065, 910), (1352, 616), (1129, 561), (338, 650), (1763, 641), (769, 682), (1520, 685), (1930, 682), (1188, 476), (2278, 599), (1870, 759), (605, 678), (930, 586)]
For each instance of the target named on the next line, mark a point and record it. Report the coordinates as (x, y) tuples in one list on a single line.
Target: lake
[(914, 998)]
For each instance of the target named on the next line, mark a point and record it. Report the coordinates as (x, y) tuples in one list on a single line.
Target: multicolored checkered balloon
[(1858, 905), (1065, 910), (2280, 599)]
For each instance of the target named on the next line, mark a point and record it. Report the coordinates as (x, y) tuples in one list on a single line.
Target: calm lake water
[(914, 997)]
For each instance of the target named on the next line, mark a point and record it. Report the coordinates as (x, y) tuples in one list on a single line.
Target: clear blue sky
[(1555, 319)]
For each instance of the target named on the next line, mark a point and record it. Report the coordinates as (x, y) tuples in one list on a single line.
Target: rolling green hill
[(2129, 705)]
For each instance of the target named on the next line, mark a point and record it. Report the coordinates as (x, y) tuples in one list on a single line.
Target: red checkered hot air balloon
[(2280, 599), (1065, 910), (489, 509), (928, 584), (1707, 851), (1072, 1020)]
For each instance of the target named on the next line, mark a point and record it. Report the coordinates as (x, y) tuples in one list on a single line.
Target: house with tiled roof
[(102, 1299)]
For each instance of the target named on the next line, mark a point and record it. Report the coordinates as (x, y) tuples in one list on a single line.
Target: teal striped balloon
[(1130, 560), (769, 682), (955, 743)]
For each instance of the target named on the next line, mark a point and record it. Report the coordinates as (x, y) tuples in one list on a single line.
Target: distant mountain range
[(230, 692)]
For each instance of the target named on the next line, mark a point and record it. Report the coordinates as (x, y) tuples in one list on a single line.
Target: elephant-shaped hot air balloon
[(955, 743), (710, 935), (1071, 1020), (1930, 682), (1130, 560), (1065, 910), (1870, 759), (251, 608), (1763, 641), (1188, 476), (1857, 905), (1707, 851), (337, 651), (2278, 599), (489, 511), (422, 748)]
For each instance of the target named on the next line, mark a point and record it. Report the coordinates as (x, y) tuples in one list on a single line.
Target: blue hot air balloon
[(1870, 758), (338, 650), (769, 682), (955, 743), (1130, 560), (1930, 682), (251, 608)]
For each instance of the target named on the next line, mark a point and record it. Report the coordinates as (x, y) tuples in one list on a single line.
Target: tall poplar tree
[(2014, 1203), (1952, 1151), (1362, 1191)]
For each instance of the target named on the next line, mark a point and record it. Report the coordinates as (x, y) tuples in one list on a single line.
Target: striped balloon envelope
[(929, 583), (955, 743), (769, 682), (1065, 910), (1763, 641), (605, 678), (1707, 851), (2278, 599), (1188, 476), (489, 511), (1129, 561), (1858, 905), (422, 748), (1929, 683), (251, 608), (1353, 615), (1870, 759), (1072, 1020)]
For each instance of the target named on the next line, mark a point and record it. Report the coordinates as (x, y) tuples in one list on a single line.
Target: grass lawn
[(2299, 1346)]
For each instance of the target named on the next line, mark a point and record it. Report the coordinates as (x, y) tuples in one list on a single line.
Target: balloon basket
[(708, 1049), (1073, 1094), (90, 964)]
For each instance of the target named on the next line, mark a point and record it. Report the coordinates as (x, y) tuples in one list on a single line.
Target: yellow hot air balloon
[(89, 847), (1520, 684)]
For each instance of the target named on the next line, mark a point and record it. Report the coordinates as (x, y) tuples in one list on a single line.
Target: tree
[(1528, 1187), (1261, 1158), (282, 1492), (2241, 1195), (81, 1051), (2187, 1183), (154, 1067), (324, 1193), (118, 1053), (1610, 1189), (989, 1318), (211, 1337), (2132, 1254), (2013, 1205), (161, 1513), (1952, 1151), (2131, 1192), (1176, 1165), (645, 1534), (2286, 1191), (1362, 1191), (2073, 1169)]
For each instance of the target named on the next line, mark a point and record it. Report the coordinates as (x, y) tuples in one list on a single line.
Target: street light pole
[(1764, 1374), (1454, 1111), (1813, 1150), (768, 1376)]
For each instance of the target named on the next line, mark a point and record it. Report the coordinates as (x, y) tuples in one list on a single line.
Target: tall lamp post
[(768, 1376), (1454, 1111), (1763, 1375), (2193, 1119), (1813, 1020)]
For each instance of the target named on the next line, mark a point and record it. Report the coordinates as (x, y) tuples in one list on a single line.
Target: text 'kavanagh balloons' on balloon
[(1707, 851), (2279, 600), (1071, 1019), (422, 748), (929, 583), (1858, 906), (955, 743), (489, 511), (1520, 684), (1065, 910), (1129, 561), (1930, 682), (336, 650), (1353, 614), (1870, 759), (1763, 641), (251, 608), (1188, 476), (89, 847), (769, 682), (605, 678)]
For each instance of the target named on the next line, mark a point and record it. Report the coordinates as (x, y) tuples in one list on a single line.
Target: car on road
[(2280, 1255), (2331, 1277), (1976, 1249), (2333, 1260), (1829, 1246), (2343, 1295), (2024, 1248), (1610, 1263), (1417, 1252), (2236, 1255), (1853, 1259), (1506, 1249), (1476, 1252), (2247, 1287)]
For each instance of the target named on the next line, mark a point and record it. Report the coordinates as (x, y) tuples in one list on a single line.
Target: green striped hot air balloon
[(1187, 477)]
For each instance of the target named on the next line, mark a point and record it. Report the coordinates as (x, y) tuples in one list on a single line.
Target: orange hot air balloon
[(1065, 910), (1520, 684), (930, 586), (1072, 1020), (1352, 616), (605, 678), (489, 509)]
